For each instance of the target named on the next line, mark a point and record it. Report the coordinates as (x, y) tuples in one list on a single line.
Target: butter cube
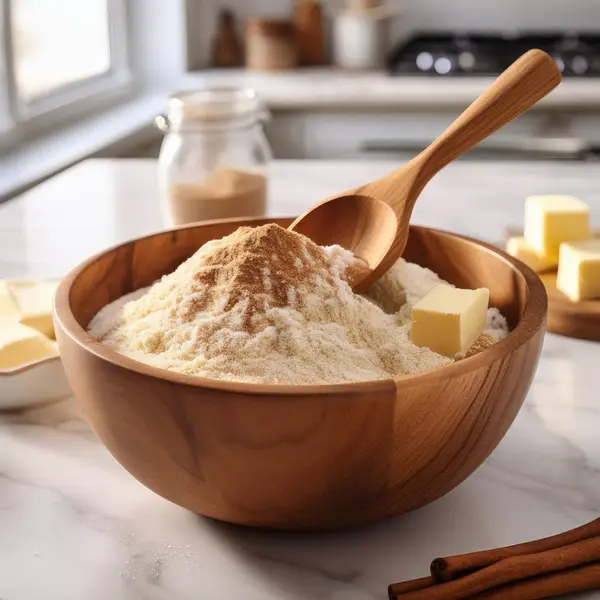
[(448, 320), (8, 309), (33, 302), (20, 344), (552, 220), (518, 247), (579, 270)]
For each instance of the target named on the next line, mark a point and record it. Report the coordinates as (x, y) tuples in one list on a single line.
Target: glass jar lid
[(215, 106)]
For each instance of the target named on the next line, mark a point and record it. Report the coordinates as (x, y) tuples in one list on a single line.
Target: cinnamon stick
[(446, 569), (404, 587), (511, 569), (569, 581)]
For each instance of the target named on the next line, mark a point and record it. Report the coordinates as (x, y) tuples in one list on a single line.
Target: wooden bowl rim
[(532, 320)]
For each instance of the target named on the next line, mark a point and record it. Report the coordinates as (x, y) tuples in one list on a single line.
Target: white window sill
[(35, 161)]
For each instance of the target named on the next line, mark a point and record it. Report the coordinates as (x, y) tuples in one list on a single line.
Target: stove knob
[(466, 61), (442, 65), (579, 65), (424, 61)]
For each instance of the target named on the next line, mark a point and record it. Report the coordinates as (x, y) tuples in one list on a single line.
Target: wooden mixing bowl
[(300, 457)]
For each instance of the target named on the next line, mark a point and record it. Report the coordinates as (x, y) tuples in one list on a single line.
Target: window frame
[(22, 120)]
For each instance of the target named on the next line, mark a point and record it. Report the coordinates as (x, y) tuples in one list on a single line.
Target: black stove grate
[(447, 55)]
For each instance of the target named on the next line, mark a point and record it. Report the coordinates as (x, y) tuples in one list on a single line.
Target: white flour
[(267, 305)]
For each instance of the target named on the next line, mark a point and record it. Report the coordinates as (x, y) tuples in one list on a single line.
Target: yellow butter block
[(20, 344), (33, 301), (552, 220), (579, 270), (518, 247), (448, 320), (8, 309)]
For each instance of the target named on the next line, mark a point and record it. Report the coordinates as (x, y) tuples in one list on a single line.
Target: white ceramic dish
[(33, 383)]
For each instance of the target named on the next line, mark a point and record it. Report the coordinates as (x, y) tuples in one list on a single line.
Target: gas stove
[(448, 55)]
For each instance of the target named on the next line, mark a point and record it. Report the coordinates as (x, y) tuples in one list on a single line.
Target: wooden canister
[(310, 36), (226, 47), (270, 44), (361, 5)]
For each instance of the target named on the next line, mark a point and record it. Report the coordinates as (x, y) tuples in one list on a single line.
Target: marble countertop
[(75, 526), (329, 88)]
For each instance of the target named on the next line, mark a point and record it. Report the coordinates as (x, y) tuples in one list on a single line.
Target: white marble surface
[(75, 526)]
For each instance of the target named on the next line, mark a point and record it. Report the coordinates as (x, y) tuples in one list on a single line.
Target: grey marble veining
[(75, 526)]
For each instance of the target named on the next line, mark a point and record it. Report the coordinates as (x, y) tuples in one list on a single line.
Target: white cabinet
[(370, 134), (286, 132)]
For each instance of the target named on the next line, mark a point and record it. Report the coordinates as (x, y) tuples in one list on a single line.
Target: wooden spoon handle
[(516, 90)]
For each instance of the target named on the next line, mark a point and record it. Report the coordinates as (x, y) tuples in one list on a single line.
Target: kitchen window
[(59, 58)]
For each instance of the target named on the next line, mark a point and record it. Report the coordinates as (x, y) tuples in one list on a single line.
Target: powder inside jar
[(267, 305), (224, 193)]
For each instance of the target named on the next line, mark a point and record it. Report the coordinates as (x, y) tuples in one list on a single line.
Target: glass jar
[(214, 158)]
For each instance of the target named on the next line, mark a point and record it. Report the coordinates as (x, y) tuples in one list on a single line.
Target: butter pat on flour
[(449, 320)]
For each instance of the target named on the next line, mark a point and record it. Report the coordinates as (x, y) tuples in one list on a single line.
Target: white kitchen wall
[(485, 15), (157, 43), (453, 14), (474, 15)]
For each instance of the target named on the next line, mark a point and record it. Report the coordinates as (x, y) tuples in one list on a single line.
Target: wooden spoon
[(372, 220)]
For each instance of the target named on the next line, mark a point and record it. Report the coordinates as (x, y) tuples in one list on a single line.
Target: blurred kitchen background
[(341, 79)]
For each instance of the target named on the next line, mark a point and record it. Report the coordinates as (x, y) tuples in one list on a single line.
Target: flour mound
[(263, 305)]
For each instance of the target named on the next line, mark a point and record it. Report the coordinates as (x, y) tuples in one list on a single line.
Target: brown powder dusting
[(483, 342), (260, 267)]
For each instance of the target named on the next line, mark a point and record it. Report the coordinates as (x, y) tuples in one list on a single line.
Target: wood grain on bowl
[(300, 457)]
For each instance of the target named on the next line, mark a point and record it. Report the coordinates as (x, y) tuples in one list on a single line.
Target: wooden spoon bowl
[(300, 457), (373, 220)]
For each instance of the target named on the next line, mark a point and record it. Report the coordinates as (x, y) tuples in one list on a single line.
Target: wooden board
[(573, 319)]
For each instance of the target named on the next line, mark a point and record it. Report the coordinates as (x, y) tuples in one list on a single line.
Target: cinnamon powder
[(260, 268), (224, 193), (484, 341)]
